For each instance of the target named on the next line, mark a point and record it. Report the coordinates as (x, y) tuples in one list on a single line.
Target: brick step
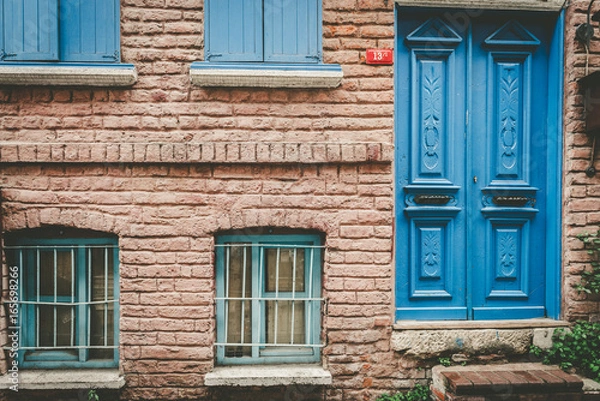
[(509, 382)]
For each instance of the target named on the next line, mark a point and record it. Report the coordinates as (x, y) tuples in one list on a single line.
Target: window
[(65, 31), (268, 298), (270, 31), (68, 301)]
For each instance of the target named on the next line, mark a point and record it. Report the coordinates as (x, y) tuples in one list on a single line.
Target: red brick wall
[(581, 194), (165, 165), (166, 217)]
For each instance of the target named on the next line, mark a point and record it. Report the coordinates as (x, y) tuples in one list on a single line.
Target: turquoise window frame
[(22, 254), (261, 354)]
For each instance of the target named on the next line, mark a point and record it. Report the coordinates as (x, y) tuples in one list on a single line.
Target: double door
[(476, 165)]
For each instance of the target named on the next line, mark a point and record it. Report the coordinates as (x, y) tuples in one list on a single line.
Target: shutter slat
[(30, 30), (234, 30), (292, 31), (90, 30)]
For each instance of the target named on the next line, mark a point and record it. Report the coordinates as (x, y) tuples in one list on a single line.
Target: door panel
[(432, 279), (472, 148)]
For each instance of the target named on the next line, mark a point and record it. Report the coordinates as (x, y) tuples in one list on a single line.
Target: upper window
[(270, 31), (68, 300), (268, 298), (65, 31)]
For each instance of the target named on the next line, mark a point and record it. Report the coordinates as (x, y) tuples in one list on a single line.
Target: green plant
[(444, 361), (92, 395), (578, 348), (418, 393), (590, 280)]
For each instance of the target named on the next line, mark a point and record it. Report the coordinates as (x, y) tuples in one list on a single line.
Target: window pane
[(285, 322), (46, 273), (102, 274), (56, 323), (239, 312), (102, 330), (280, 267), (64, 277)]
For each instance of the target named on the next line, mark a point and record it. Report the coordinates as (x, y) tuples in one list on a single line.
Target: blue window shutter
[(292, 31), (233, 30), (29, 30), (89, 30)]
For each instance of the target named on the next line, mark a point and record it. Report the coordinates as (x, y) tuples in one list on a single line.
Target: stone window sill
[(266, 75), (117, 75), (271, 375), (64, 379)]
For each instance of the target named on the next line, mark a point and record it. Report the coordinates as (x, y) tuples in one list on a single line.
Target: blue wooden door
[(473, 145)]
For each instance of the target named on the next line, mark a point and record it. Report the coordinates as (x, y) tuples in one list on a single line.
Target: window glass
[(268, 299), (69, 301)]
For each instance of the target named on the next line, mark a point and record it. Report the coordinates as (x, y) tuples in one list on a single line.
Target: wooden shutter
[(234, 30), (292, 31), (89, 30), (29, 30)]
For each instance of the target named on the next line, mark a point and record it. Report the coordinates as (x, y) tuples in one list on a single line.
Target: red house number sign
[(380, 56)]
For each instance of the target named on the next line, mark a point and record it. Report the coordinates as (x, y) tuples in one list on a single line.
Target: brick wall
[(581, 194), (165, 165), (166, 217)]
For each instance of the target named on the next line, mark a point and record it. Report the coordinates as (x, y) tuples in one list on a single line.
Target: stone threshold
[(479, 324), (426, 340)]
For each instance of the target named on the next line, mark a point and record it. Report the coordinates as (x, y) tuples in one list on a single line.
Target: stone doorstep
[(509, 379)]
